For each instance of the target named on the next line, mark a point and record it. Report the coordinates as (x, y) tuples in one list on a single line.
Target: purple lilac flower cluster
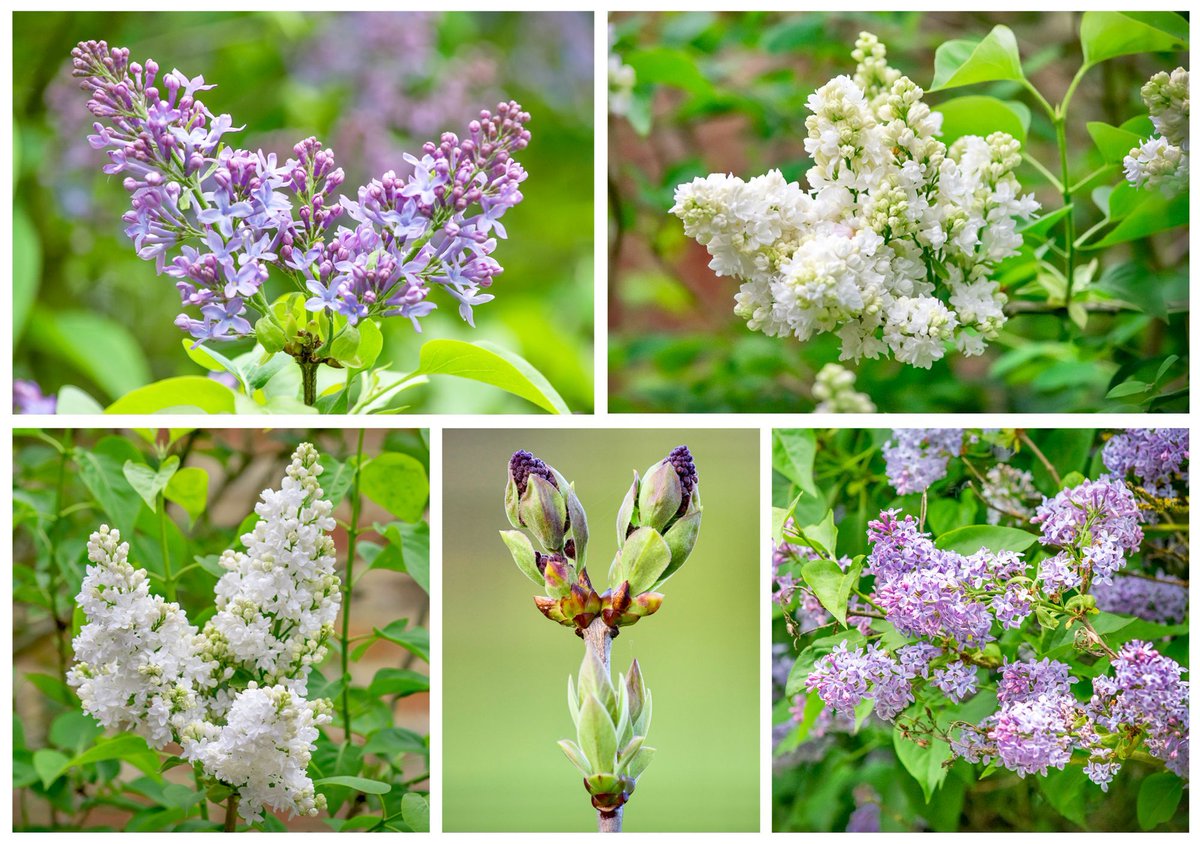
[(918, 457), (1095, 524), (28, 398), (1146, 693), (1163, 600), (1153, 458), (844, 678), (231, 214), (942, 595)]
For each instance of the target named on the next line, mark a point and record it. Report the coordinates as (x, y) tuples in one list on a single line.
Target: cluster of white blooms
[(1008, 491), (893, 244), (234, 695), (621, 79), (263, 750), (834, 388), (137, 665), (1161, 161), (277, 602)]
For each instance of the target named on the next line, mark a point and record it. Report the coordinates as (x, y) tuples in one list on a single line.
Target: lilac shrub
[(1024, 647)]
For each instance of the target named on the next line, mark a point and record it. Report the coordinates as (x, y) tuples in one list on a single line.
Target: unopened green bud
[(660, 496), (269, 335), (557, 573)]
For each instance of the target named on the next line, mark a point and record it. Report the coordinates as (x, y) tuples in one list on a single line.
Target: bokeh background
[(726, 92), (506, 667), (369, 85), (241, 463)]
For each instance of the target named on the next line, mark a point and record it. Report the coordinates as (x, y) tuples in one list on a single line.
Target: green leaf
[(1114, 144), (127, 748), (644, 557), (189, 489), (1158, 799), (1066, 791), (27, 268), (492, 365), (103, 350), (1104, 35), (981, 115), (597, 735), (408, 550), (415, 641), (1155, 213), (1132, 387), (398, 681), (185, 394), (967, 540), (398, 483), (394, 742), (49, 765), (823, 535), (362, 784), (370, 344), (415, 810), (792, 454), (779, 519), (825, 578), (72, 400), (147, 482), (104, 477), (924, 763), (668, 66), (967, 62), (336, 477)]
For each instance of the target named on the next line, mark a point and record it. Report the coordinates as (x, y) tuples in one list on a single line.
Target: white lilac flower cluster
[(233, 696), (835, 393), (1008, 491), (894, 243), (621, 79), (1161, 161)]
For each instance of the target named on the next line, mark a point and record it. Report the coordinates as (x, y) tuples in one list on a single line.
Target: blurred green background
[(88, 312), (505, 667), (725, 92)]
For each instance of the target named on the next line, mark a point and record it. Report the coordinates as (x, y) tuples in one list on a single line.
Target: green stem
[(348, 583), (168, 578), (308, 372), (231, 813), (200, 788), (61, 626), (1060, 132)]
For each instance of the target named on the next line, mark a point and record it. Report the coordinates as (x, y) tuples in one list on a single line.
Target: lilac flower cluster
[(217, 218), (1153, 458), (29, 398), (844, 678), (942, 595), (1095, 524), (1163, 601), (1040, 723), (918, 457), (1146, 693)]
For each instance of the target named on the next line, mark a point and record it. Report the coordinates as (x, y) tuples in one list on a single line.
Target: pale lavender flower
[(1153, 458), (918, 457), (28, 398), (957, 680), (1163, 601), (1096, 523)]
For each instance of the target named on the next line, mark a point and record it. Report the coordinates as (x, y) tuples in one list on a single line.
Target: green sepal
[(640, 761), (627, 513), (544, 512), (628, 752), (523, 555), (680, 539)]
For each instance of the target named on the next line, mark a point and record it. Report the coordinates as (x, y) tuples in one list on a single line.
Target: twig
[(1038, 454)]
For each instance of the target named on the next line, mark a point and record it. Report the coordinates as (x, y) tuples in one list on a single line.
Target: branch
[(1028, 306), (1038, 453)]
